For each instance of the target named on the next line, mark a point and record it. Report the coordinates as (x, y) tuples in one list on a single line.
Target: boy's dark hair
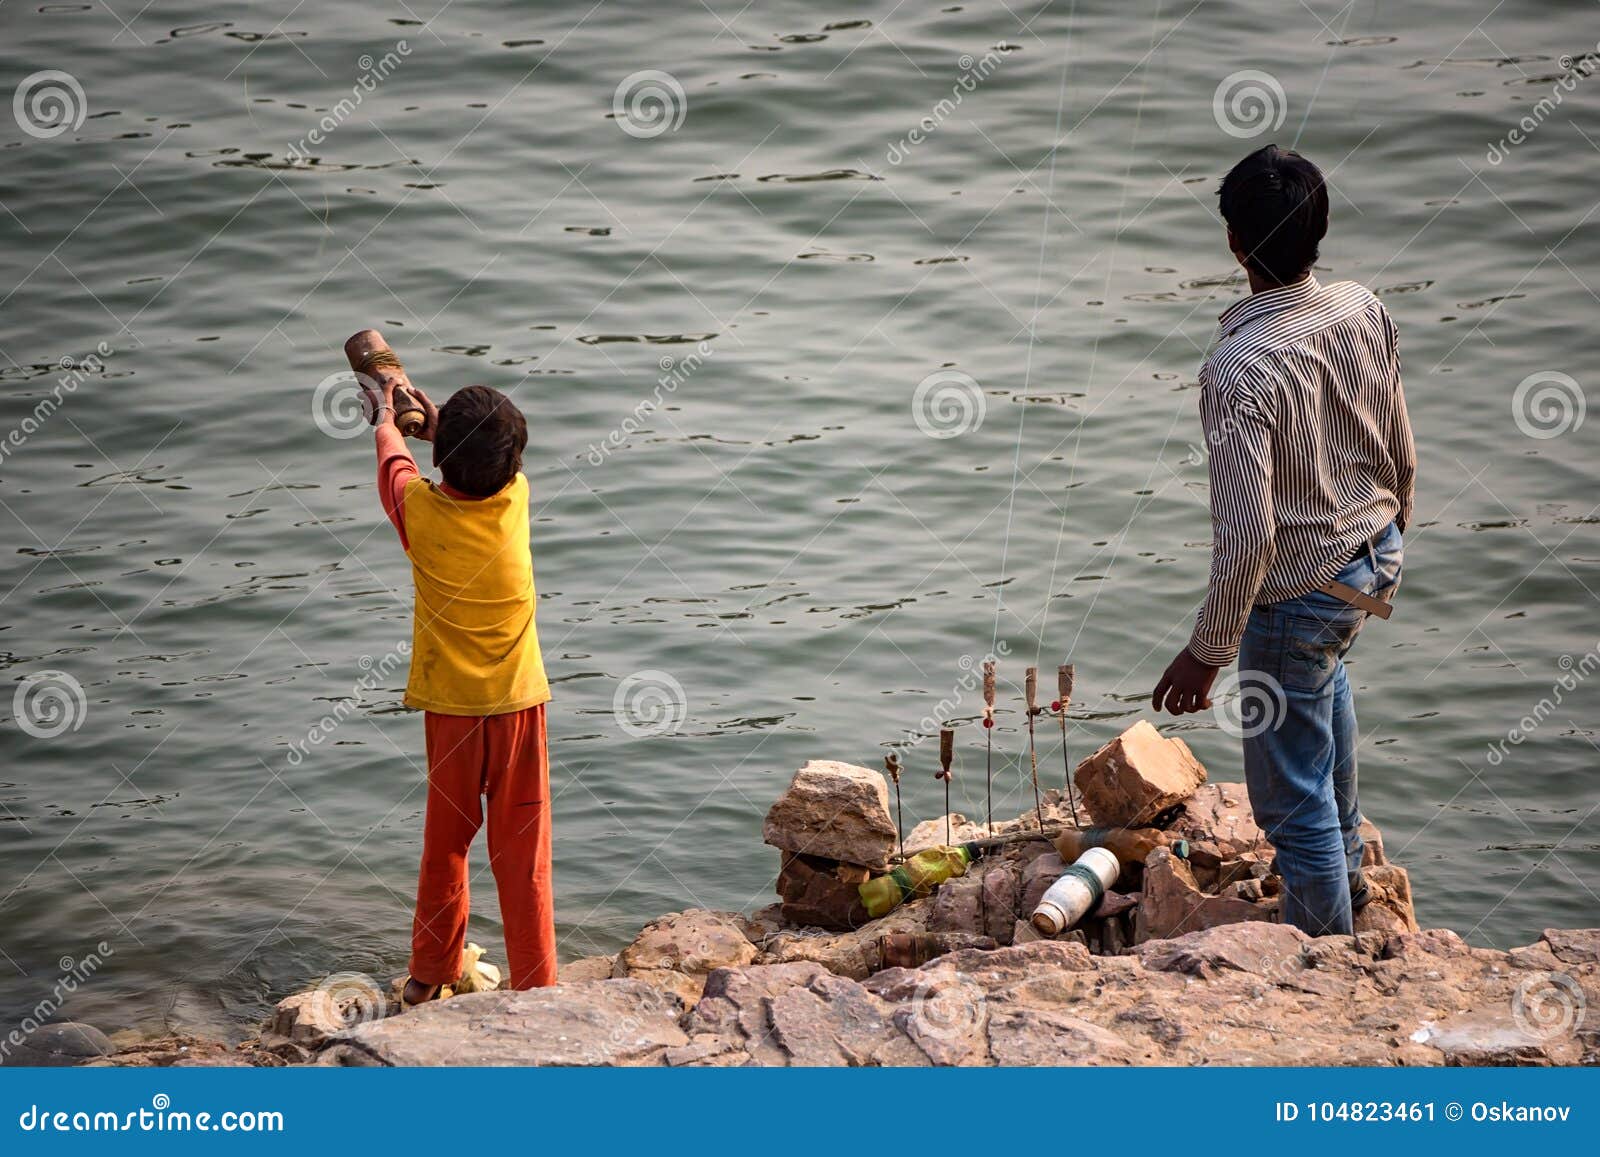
[(478, 445), (1276, 204)]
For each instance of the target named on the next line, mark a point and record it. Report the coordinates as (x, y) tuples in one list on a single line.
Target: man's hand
[(1185, 685)]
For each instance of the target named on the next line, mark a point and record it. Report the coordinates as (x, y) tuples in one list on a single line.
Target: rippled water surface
[(854, 198)]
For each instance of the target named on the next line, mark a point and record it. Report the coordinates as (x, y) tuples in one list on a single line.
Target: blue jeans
[(1300, 752)]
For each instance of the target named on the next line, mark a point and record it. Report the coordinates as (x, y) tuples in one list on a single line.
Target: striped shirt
[(1311, 452)]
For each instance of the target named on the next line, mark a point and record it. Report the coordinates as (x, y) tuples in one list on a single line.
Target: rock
[(311, 1018), (734, 1006), (1217, 819), (1173, 903), (678, 951), (1574, 945), (836, 811), (615, 1022), (855, 954), (1390, 909), (586, 968), (57, 1045), (1030, 1036), (176, 1051), (834, 1021), (931, 833), (999, 895), (1036, 880), (1264, 949), (1251, 993), (947, 1018), (957, 906), (821, 893), (1137, 776), (1372, 844)]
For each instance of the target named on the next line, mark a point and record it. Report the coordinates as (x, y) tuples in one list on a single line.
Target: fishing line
[(1027, 369), (1326, 66), (1033, 328)]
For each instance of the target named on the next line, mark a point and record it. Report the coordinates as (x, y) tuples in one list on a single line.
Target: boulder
[(1137, 776), (1269, 950), (1390, 909), (1034, 1036), (836, 811), (819, 893), (1573, 945), (614, 1022), (855, 955), (586, 968), (1173, 902), (58, 1045), (1217, 819), (932, 833), (1037, 877), (999, 896), (957, 906), (679, 950)]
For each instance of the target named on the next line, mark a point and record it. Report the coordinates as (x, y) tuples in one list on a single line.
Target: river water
[(744, 268)]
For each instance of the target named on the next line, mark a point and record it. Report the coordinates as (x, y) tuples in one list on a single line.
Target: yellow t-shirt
[(474, 646)]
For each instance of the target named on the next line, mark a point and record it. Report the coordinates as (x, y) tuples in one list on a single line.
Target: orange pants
[(503, 758)]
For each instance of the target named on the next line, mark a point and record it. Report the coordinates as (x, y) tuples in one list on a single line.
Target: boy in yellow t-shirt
[(477, 675)]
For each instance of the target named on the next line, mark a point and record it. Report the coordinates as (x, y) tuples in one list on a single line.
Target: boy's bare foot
[(418, 993)]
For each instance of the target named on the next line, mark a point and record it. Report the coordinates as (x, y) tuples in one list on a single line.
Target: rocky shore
[(1182, 963)]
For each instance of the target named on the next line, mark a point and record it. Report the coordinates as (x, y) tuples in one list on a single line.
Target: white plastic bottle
[(1077, 892)]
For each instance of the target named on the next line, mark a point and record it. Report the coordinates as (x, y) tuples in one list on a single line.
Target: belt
[(1346, 593)]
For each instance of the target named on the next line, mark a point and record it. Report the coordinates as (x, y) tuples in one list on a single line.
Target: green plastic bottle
[(915, 878)]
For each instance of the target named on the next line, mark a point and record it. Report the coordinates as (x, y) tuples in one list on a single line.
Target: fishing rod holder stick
[(1030, 686), (891, 764), (947, 752), (1065, 676), (988, 742)]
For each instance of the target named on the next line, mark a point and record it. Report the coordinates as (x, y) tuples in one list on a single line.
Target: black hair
[(478, 445), (1276, 205)]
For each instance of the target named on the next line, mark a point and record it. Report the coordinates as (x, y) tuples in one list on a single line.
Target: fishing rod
[(988, 741), (1064, 679), (1031, 692)]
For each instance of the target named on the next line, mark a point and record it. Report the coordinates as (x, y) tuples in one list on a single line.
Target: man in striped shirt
[(1312, 466)]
